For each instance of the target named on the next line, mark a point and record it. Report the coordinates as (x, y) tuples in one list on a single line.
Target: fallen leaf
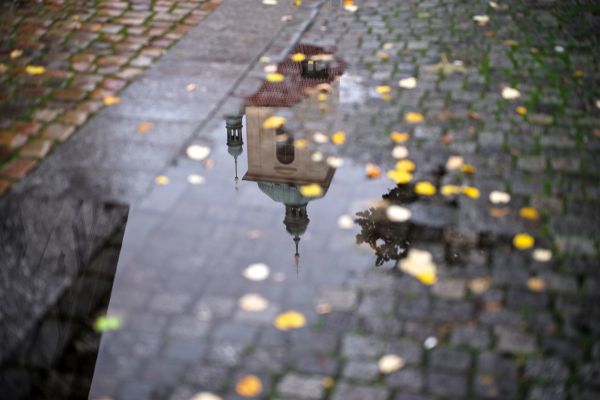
[(420, 265), (454, 162), (144, 127), (468, 169), (405, 165), (107, 323), (497, 197), (542, 255), (197, 152), (521, 110), (400, 177), (191, 87), (274, 122), (253, 302), (16, 53), (206, 396), (536, 284), (400, 152), (319, 137), (111, 100), (270, 2), (390, 363), (317, 156), (425, 188), (523, 241), (249, 385), (162, 180), (510, 93), (408, 83), (430, 342), (450, 190), (480, 285), (194, 179), (3, 68), (289, 320), (382, 55), (398, 214), (338, 138), (35, 69), (312, 190), (328, 382), (335, 162), (345, 222), (399, 137), (275, 77), (482, 20), (471, 192), (300, 143), (256, 272), (529, 213), (298, 57), (383, 89), (372, 171), (414, 117)]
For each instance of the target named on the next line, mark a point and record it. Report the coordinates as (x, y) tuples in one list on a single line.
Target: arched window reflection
[(284, 146)]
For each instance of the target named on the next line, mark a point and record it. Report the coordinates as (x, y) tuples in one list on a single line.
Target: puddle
[(268, 230)]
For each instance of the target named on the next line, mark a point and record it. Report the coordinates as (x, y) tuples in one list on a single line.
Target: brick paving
[(498, 322), (60, 60)]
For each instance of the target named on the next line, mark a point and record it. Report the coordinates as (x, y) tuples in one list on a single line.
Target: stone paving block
[(301, 386), (361, 371), (340, 299), (345, 391), (407, 379), (355, 346), (514, 342), (448, 385), (58, 132)]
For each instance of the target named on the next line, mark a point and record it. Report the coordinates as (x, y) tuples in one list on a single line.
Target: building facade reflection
[(276, 162)]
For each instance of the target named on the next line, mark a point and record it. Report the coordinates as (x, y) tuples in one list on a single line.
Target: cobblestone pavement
[(61, 61), (448, 250)]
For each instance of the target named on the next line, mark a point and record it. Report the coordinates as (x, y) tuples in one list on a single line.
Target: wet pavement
[(357, 200)]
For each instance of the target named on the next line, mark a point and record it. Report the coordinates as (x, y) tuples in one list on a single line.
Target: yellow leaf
[(523, 241), (162, 180), (274, 122), (298, 57), (536, 284), (35, 69), (372, 171), (414, 117), (471, 192), (450, 190), (425, 189), (400, 177), (383, 89), (405, 165), (289, 320), (338, 137), (144, 127), (427, 277), (275, 77), (529, 213), (322, 97), (328, 382), (399, 137), (300, 143), (521, 110), (111, 100), (312, 190), (249, 386), (16, 53), (468, 168)]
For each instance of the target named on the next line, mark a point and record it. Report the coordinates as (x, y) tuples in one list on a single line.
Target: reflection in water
[(390, 240), (275, 160)]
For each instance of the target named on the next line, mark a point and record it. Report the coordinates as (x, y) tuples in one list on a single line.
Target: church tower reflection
[(279, 166)]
